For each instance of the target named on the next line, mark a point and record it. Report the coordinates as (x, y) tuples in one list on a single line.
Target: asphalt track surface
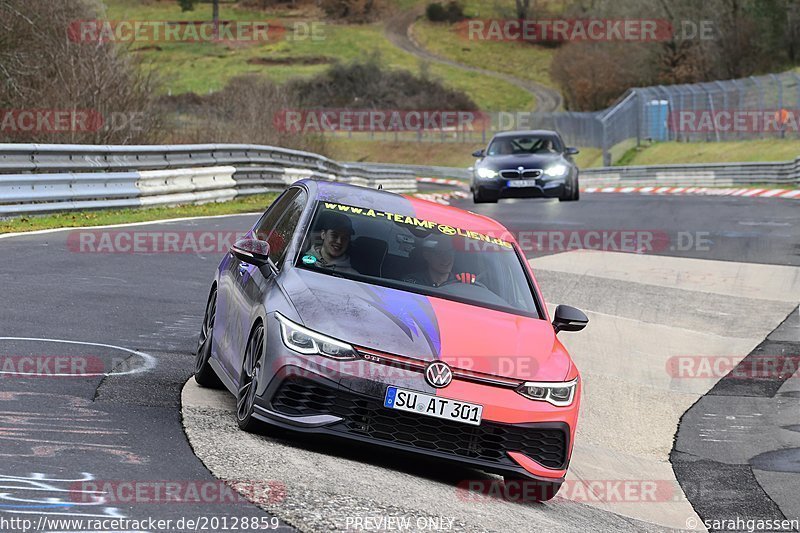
[(61, 435)]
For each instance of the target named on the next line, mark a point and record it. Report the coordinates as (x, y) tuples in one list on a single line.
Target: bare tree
[(44, 67)]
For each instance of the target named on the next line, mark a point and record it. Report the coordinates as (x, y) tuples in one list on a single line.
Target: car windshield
[(525, 144), (416, 255)]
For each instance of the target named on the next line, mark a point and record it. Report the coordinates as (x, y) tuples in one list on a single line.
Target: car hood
[(427, 328), (500, 162)]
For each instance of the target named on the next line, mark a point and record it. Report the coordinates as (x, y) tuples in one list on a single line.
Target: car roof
[(390, 202), (518, 133)]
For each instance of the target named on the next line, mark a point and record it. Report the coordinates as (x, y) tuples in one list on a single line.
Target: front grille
[(525, 173), (367, 417)]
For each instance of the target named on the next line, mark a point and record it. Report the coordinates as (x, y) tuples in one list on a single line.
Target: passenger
[(333, 252), (439, 256)]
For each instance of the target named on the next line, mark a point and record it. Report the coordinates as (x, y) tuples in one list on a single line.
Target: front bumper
[(551, 188), (516, 436)]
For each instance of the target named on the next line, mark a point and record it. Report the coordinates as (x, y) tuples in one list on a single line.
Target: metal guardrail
[(37, 178), (779, 173), (46, 178)]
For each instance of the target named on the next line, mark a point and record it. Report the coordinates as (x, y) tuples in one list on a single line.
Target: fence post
[(779, 84), (637, 101), (760, 90), (606, 148)]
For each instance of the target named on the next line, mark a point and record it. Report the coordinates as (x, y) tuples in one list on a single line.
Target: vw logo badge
[(438, 374)]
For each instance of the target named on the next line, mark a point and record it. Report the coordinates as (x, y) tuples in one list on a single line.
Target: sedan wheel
[(248, 382), (482, 197), (571, 192), (204, 375)]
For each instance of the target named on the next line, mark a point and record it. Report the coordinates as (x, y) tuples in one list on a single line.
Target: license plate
[(522, 183), (435, 406)]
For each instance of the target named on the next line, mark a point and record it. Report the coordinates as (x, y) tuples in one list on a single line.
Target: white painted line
[(150, 361)]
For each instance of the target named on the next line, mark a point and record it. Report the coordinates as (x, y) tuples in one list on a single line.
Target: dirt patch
[(303, 60)]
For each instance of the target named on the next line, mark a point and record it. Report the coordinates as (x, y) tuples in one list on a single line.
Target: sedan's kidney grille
[(367, 417), (525, 173)]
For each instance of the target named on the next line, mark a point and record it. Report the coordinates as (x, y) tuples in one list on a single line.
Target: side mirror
[(569, 319), (478, 153), (250, 250), (572, 151)]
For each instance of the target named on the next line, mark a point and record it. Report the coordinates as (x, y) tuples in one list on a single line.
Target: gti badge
[(438, 374)]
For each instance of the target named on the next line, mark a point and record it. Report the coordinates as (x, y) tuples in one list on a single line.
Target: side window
[(270, 218), (281, 235)]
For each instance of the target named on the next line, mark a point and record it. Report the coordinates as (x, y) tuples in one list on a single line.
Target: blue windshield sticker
[(309, 259)]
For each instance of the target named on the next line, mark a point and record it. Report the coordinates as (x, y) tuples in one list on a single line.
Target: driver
[(332, 253), (439, 256)]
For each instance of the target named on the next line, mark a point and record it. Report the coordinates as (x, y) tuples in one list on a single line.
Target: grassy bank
[(201, 67), (665, 153), (105, 217)]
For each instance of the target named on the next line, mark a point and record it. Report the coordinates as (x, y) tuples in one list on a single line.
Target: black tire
[(204, 375), (571, 192), (480, 197), (530, 490), (249, 380)]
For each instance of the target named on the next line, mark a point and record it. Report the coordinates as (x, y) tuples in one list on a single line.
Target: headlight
[(307, 342), (558, 394), (486, 173), (556, 171)]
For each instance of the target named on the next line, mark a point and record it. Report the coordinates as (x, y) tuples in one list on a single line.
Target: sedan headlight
[(307, 342), (556, 171), (559, 394), (486, 173)]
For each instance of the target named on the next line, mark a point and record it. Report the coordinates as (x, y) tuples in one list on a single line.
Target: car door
[(253, 284), (228, 334)]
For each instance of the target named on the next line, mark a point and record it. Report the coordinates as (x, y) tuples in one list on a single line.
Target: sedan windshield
[(415, 255), (525, 144)]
